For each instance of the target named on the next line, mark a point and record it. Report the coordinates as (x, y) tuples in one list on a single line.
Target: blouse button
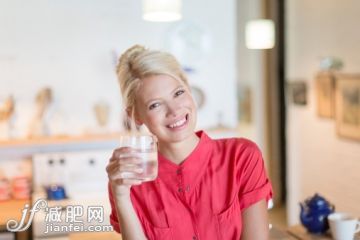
[(180, 189), (178, 172), (194, 238), (187, 188)]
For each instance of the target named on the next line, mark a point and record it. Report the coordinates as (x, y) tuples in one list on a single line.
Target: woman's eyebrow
[(153, 99), (177, 88)]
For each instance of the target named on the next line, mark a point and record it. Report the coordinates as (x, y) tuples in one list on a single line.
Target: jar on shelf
[(21, 187), (21, 180), (5, 193)]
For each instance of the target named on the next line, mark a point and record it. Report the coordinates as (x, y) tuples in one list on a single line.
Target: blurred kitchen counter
[(275, 234), (299, 232), (95, 236), (12, 209)]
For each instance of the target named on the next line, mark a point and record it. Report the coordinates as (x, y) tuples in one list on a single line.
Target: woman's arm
[(121, 162), (129, 223), (255, 222)]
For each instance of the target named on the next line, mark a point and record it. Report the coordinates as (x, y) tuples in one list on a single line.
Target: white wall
[(70, 45), (251, 74), (318, 160)]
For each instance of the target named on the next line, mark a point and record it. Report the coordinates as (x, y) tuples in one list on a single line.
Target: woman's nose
[(172, 110)]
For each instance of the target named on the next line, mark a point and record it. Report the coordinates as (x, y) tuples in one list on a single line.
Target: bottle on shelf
[(55, 190)]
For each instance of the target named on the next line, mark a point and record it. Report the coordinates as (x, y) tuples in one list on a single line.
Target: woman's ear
[(134, 116), (138, 122)]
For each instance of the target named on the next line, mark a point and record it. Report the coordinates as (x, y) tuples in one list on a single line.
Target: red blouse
[(203, 197)]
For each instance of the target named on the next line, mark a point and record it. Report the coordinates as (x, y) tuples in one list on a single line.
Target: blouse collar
[(193, 164)]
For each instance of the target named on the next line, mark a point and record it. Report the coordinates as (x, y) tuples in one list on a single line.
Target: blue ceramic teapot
[(314, 212)]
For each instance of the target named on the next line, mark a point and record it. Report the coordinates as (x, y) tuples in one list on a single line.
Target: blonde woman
[(206, 189)]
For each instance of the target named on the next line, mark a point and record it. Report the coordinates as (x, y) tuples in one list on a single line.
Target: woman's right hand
[(122, 170)]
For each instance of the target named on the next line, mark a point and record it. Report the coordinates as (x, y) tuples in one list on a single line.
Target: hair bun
[(127, 58), (134, 51)]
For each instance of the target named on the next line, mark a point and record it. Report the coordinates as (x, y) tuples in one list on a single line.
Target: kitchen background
[(72, 48)]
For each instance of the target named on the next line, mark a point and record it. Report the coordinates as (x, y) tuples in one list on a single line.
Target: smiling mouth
[(179, 123)]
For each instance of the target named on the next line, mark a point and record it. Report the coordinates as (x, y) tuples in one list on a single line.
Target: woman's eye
[(154, 105), (178, 93)]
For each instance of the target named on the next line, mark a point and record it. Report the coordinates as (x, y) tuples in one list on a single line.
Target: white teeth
[(178, 123)]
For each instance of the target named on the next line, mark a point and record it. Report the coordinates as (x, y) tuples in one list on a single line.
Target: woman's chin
[(178, 136)]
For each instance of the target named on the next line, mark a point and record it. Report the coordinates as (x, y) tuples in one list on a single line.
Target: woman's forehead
[(157, 85), (159, 82)]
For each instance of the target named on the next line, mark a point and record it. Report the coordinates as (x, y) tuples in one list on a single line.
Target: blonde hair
[(137, 63)]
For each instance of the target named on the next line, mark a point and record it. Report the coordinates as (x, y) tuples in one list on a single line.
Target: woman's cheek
[(154, 119), (191, 102)]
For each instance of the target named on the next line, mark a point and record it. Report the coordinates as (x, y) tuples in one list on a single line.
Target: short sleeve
[(113, 215), (254, 182)]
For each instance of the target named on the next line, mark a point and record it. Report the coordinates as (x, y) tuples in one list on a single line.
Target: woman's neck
[(179, 151)]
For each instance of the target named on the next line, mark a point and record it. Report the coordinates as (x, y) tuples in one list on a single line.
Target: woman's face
[(166, 107)]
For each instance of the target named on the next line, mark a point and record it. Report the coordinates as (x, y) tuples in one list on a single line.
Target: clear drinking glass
[(145, 148)]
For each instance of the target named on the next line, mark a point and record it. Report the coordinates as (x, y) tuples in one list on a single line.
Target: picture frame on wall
[(348, 106), (325, 94), (297, 92)]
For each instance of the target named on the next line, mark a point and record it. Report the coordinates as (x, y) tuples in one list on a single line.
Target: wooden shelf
[(58, 140), (21, 148)]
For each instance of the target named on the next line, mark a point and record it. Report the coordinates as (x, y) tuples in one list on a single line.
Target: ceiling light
[(161, 10), (260, 34)]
